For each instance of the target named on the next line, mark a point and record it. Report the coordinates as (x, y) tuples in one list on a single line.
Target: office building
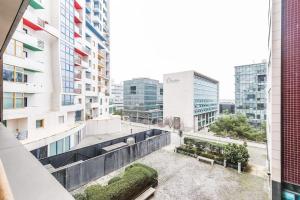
[(283, 99), (227, 107), (117, 96), (190, 98), (56, 73), (143, 100), (250, 92)]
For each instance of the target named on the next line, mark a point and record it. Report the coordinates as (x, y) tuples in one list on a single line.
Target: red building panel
[(291, 91)]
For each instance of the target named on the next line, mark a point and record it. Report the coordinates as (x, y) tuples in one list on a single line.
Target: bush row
[(233, 153), (136, 179)]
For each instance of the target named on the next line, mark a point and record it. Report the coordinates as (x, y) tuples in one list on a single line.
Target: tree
[(235, 153), (236, 126)]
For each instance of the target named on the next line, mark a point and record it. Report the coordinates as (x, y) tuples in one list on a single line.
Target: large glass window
[(52, 149), (8, 72), (8, 100), (60, 146), (67, 143), (13, 100), (19, 100), (19, 74)]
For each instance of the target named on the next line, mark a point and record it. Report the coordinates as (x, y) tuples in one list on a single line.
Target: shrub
[(137, 177), (80, 197), (114, 179), (234, 154)]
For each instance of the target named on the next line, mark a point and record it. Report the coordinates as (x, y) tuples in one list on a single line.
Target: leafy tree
[(237, 126), (235, 153)]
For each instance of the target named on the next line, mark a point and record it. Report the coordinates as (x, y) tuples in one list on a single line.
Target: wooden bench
[(145, 195), (211, 161)]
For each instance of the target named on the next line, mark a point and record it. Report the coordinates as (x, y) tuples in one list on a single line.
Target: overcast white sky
[(153, 37)]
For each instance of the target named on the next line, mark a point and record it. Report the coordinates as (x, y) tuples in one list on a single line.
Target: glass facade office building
[(205, 100), (250, 92), (143, 100)]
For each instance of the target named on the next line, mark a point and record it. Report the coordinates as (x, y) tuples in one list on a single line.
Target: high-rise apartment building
[(283, 99), (117, 96), (56, 73), (191, 99), (250, 92), (143, 100)]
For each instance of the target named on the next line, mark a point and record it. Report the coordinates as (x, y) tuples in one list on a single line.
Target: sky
[(152, 37)]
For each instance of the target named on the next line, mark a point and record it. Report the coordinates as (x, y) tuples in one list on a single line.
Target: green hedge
[(137, 177)]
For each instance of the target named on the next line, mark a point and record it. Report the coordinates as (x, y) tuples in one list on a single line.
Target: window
[(19, 98), (61, 119), (39, 123), (13, 100), (8, 100), (19, 49), (8, 72), (161, 91), (13, 74), (60, 146), (67, 143), (132, 89), (10, 49)]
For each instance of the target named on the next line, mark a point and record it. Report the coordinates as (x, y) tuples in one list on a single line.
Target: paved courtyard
[(185, 178)]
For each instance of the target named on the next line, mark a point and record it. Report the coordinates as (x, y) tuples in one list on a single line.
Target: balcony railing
[(33, 181), (77, 90), (78, 76), (22, 135)]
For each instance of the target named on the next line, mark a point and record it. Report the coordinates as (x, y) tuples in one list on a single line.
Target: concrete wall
[(82, 173), (103, 125), (178, 97), (274, 95)]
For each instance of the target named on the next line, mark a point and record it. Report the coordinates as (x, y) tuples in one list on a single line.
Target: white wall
[(108, 125), (178, 97)]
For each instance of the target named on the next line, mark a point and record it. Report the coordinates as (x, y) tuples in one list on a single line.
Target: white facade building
[(56, 73), (191, 98)]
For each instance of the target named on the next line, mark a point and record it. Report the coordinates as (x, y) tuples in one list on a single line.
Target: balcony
[(25, 63), (101, 64), (29, 41), (90, 105), (24, 184), (77, 32), (30, 88), (80, 49), (77, 91), (96, 20), (101, 55), (36, 4), (77, 4), (22, 135), (32, 21), (77, 77), (77, 17)]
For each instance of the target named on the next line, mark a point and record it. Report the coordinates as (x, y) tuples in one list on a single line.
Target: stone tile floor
[(184, 178)]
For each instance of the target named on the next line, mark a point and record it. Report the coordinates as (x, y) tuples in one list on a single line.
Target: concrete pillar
[(239, 168)]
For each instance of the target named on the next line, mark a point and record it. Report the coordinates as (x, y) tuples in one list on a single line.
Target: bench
[(145, 195), (211, 161)]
